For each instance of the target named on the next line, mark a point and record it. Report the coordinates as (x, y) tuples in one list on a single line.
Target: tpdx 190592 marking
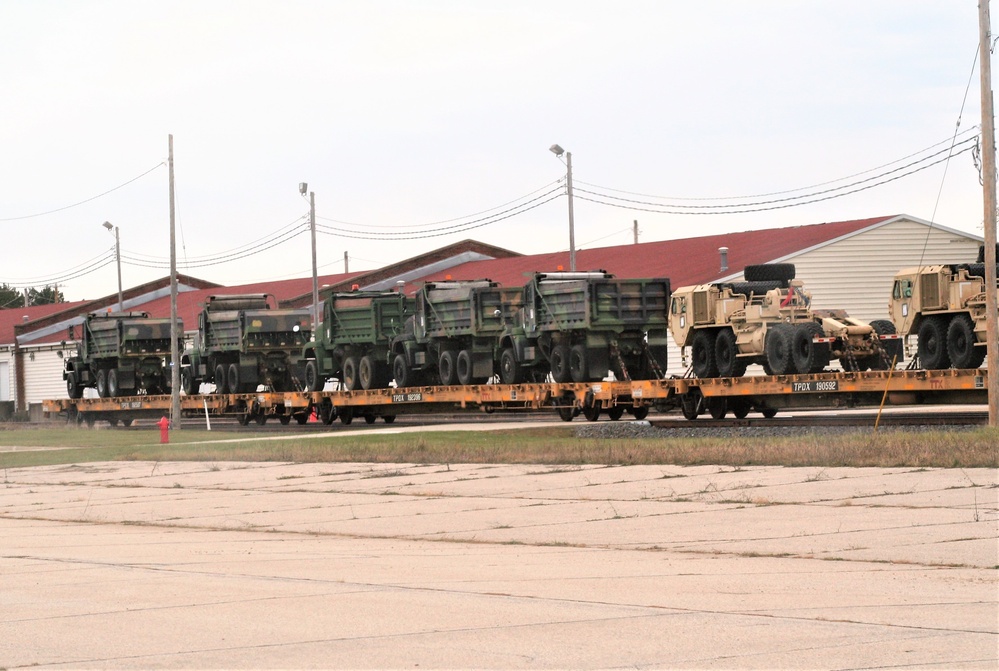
[(815, 386)]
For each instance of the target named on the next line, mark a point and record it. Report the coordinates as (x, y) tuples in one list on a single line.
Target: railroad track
[(829, 419)]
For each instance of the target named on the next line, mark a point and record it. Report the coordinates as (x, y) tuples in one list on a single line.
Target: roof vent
[(723, 253)]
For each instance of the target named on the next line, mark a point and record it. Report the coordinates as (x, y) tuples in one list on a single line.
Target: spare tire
[(769, 272)]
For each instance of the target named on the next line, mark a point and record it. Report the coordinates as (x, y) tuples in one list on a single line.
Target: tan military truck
[(768, 320), (944, 306)]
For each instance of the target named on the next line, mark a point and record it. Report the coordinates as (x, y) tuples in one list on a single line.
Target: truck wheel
[(961, 343), (220, 386), (769, 272), (401, 371), (113, 389), (702, 354), (102, 383), (778, 349), (463, 367), (560, 363), (932, 345), (578, 368), (809, 356), (350, 373), (726, 355), (510, 370), (187, 381), (72, 388), (312, 382), (446, 368), (367, 372), (233, 382), (892, 348)]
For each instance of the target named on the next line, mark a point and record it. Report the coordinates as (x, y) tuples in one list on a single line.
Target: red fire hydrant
[(164, 425)]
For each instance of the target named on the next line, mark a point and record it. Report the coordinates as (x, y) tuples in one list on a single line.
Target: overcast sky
[(421, 118)]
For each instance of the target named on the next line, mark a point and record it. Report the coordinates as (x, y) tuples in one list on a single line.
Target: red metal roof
[(11, 317), (684, 262)]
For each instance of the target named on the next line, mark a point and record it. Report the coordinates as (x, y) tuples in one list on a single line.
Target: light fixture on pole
[(117, 254), (558, 151), (303, 187)]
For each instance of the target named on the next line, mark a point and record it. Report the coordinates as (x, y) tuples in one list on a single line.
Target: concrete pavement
[(274, 565)]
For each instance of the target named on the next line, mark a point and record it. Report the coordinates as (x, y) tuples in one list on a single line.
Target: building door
[(5, 381)]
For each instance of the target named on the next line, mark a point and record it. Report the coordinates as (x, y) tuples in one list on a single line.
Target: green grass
[(552, 446)]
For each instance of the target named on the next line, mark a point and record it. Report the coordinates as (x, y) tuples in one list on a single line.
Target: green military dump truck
[(451, 339), (583, 325), (353, 343), (121, 354), (244, 341)]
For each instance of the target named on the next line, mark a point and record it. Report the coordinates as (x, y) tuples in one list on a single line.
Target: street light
[(117, 254), (558, 151), (303, 187)]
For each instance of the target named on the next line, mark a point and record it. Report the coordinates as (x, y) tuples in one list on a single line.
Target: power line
[(67, 207), (751, 207)]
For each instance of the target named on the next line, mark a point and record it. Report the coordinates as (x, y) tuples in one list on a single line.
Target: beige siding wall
[(856, 273), (43, 375)]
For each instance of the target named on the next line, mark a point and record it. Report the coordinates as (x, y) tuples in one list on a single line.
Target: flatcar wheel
[(717, 407), (388, 419), (284, 419), (740, 407), (615, 412), (370, 419), (243, 418), (260, 419), (640, 413), (327, 412), (769, 413), (346, 415), (592, 413)]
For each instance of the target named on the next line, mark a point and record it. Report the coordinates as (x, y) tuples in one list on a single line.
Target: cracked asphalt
[(277, 565)]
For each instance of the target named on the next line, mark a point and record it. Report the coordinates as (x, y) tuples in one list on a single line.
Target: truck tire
[(702, 354), (313, 381), (350, 373), (932, 345), (510, 371), (578, 366), (220, 379), (233, 383), (778, 349), (726, 355), (809, 356), (187, 381), (463, 368), (961, 343), (369, 373), (102, 383), (113, 388), (73, 389), (447, 367), (769, 272), (560, 364), (892, 348), (403, 374)]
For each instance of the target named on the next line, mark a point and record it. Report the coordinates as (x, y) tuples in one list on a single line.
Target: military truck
[(768, 320), (353, 343), (120, 353), (244, 341), (580, 326), (944, 305), (451, 338)]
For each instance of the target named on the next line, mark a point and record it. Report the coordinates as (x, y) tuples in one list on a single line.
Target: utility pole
[(572, 234), (346, 266), (315, 269), (175, 334), (635, 229), (989, 188)]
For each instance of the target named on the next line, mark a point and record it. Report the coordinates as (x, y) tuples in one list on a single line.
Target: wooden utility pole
[(175, 333), (989, 189)]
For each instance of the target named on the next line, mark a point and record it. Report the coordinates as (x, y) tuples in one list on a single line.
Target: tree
[(10, 297), (46, 296)]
